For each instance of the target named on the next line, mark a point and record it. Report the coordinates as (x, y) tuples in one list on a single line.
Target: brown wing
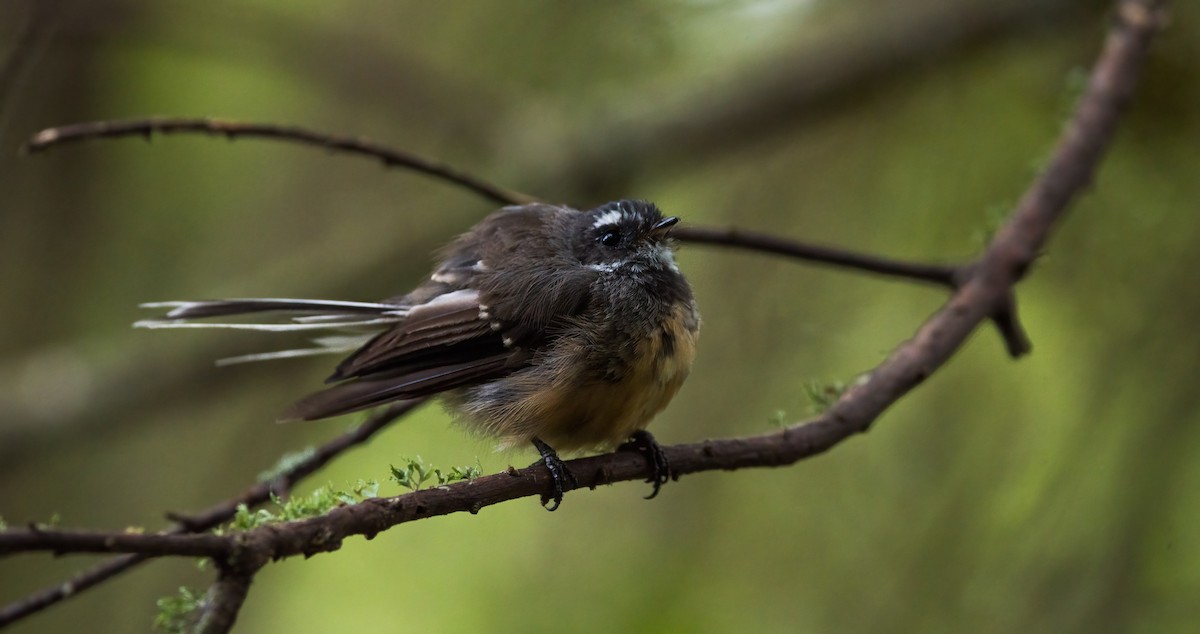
[(443, 344), (430, 331), (498, 288), (367, 393), (491, 304)]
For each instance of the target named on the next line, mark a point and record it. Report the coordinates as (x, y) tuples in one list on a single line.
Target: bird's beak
[(660, 230)]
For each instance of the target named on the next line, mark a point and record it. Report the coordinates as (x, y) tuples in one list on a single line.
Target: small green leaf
[(364, 489), (823, 395), (465, 473), (176, 613), (413, 474)]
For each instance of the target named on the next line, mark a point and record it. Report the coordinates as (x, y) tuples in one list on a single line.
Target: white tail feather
[(154, 324), (315, 303)]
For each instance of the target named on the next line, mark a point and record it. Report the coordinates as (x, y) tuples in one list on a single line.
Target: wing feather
[(442, 322), (362, 394)]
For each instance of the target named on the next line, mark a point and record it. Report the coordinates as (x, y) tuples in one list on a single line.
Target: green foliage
[(54, 521), (822, 395), (415, 473), (819, 395), (320, 501), (3, 524), (286, 463), (176, 613)]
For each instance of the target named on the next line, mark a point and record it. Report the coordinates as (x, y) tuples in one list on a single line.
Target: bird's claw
[(644, 443), (560, 475)]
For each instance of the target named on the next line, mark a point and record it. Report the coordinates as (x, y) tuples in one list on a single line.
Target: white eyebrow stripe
[(610, 217)]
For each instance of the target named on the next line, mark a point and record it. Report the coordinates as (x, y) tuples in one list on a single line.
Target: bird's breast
[(586, 391), (586, 411)]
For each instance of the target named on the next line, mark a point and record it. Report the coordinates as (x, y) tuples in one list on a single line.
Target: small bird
[(542, 324)]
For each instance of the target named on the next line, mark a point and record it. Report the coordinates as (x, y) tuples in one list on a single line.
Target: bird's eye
[(610, 238)]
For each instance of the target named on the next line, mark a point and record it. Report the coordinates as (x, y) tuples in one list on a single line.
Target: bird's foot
[(561, 476), (644, 443)]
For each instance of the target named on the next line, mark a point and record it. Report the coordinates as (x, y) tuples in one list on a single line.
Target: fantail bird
[(568, 329)]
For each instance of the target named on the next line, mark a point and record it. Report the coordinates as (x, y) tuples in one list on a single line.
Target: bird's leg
[(563, 479), (644, 443)]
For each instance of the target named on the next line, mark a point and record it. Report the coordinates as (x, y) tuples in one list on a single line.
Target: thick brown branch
[(1015, 247), (211, 517), (1087, 134), (326, 533), (390, 157)]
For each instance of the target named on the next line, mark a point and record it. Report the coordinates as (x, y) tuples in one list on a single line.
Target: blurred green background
[(1057, 493)]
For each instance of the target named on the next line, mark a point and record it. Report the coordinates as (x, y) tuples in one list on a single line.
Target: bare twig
[(1005, 318), (51, 137), (211, 517), (158, 544), (390, 157), (939, 274)]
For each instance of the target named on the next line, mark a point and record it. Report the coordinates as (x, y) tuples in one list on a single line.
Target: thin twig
[(51, 137), (390, 157), (211, 517), (939, 274), (1006, 318)]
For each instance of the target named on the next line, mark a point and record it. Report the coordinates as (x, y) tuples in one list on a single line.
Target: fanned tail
[(300, 314), (363, 319)]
